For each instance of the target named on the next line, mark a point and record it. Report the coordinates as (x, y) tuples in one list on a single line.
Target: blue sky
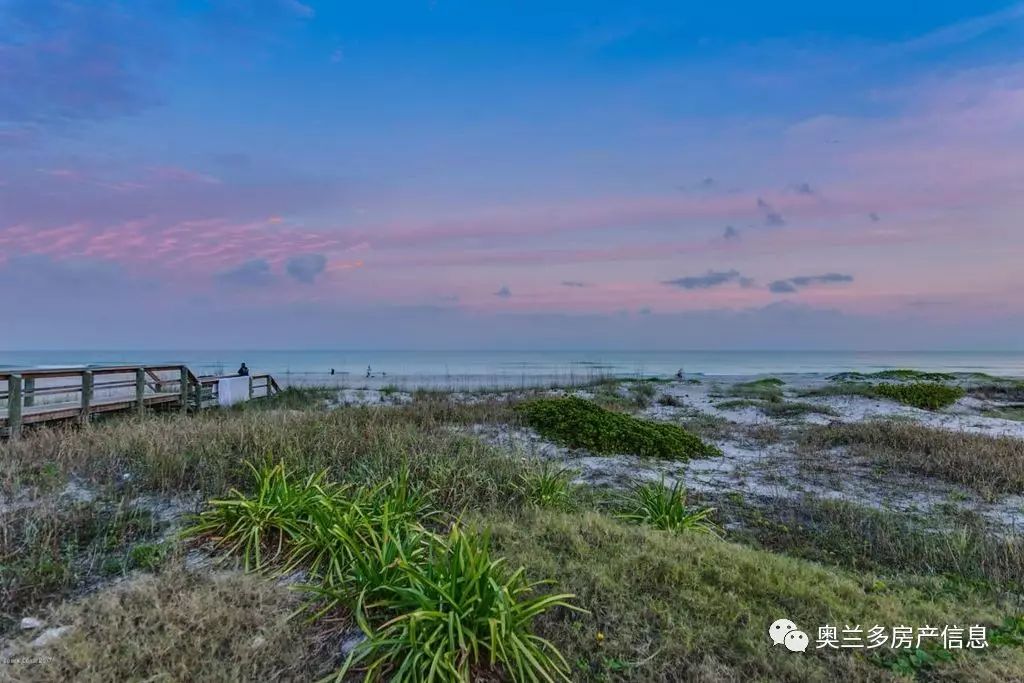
[(449, 175)]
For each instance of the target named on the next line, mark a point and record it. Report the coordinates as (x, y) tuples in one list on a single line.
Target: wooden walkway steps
[(36, 395)]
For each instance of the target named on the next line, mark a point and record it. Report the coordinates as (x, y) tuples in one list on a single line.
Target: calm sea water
[(455, 368)]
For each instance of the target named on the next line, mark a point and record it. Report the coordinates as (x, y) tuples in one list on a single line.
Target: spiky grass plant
[(455, 618), (547, 486), (263, 526), (664, 507)]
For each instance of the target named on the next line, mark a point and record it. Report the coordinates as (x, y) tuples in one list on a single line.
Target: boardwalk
[(36, 395)]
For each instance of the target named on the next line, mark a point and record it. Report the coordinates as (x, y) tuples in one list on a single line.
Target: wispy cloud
[(793, 284), (574, 283), (712, 278), (503, 293)]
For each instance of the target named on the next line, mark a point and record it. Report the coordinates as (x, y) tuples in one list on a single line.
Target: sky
[(462, 175)]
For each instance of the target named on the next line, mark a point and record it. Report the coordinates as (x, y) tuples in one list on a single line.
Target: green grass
[(578, 423), (664, 508), (693, 607), (766, 389), (458, 616), (432, 607), (547, 485)]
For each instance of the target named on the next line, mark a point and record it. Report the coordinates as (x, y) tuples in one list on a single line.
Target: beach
[(859, 496)]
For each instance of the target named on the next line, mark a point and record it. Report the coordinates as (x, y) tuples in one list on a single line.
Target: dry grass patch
[(178, 626), (990, 465)]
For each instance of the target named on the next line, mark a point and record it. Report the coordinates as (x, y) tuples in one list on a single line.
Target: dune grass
[(666, 606), (578, 423), (395, 481), (765, 389), (990, 465)]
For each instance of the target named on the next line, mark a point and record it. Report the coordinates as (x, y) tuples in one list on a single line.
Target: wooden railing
[(34, 395)]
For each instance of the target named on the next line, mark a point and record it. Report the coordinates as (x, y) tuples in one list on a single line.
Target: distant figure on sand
[(332, 371), (679, 373), (369, 373), (243, 370)]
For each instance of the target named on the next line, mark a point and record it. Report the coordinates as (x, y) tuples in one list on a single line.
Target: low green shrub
[(662, 507), (929, 396), (899, 374), (578, 423)]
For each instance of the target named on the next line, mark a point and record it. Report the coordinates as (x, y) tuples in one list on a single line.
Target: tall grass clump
[(664, 507), (579, 423), (766, 388), (272, 519), (433, 607), (458, 617), (547, 486)]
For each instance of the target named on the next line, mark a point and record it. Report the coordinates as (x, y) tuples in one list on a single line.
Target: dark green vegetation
[(578, 423), (920, 394), (766, 389), (902, 374), (397, 480), (930, 396), (987, 464)]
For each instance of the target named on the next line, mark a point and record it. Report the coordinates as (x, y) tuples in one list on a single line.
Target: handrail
[(87, 396)]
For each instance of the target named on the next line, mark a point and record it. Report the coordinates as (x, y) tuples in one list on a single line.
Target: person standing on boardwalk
[(243, 370)]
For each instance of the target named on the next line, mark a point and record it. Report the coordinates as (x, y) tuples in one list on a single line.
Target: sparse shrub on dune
[(925, 395), (578, 423)]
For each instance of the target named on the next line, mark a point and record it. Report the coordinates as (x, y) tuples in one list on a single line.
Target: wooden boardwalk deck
[(31, 396)]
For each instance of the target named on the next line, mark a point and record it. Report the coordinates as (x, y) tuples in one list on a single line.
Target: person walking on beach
[(243, 370), (369, 373)]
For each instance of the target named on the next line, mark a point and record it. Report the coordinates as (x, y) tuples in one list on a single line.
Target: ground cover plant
[(579, 423), (926, 395), (929, 396), (899, 374)]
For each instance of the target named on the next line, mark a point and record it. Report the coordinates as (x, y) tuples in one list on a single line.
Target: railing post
[(183, 390), (140, 390), (86, 396), (250, 387), (14, 406), (29, 391), (199, 395)]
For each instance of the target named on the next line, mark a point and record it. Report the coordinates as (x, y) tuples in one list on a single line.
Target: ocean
[(510, 368)]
